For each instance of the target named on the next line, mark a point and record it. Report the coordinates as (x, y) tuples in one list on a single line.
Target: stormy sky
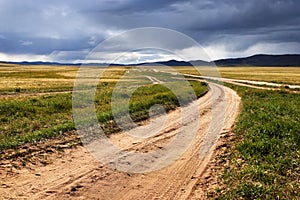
[(66, 31)]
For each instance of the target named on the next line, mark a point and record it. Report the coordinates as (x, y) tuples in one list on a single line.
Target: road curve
[(76, 174), (248, 83)]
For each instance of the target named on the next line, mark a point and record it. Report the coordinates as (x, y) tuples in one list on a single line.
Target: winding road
[(76, 174)]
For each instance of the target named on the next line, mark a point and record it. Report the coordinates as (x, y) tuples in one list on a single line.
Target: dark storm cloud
[(56, 27), (134, 6)]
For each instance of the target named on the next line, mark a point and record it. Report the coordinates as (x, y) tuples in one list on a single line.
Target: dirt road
[(248, 83), (76, 174)]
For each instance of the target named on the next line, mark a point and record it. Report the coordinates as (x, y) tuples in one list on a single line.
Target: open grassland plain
[(28, 119), (285, 75), (263, 159), (260, 162), (289, 75), (18, 79)]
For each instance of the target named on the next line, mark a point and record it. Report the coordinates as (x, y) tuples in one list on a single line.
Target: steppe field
[(255, 156)]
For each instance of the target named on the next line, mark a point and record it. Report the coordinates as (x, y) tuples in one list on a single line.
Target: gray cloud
[(62, 30)]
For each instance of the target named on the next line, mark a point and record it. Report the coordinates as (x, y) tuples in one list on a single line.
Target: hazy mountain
[(166, 63)]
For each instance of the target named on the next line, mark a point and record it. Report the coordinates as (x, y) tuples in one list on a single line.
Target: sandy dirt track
[(249, 83), (76, 174)]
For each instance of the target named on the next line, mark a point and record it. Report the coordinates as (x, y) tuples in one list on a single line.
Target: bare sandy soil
[(76, 174)]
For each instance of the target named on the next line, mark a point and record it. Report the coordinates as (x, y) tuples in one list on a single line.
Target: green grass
[(265, 159), (28, 120)]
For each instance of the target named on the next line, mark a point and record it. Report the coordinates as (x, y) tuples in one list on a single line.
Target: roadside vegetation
[(35, 118), (264, 160)]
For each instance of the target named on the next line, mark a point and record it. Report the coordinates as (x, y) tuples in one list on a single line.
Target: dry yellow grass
[(34, 77), (46, 78), (34, 83), (290, 75)]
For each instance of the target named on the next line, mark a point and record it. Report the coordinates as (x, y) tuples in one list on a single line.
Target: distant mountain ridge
[(255, 60), (59, 64), (262, 60)]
